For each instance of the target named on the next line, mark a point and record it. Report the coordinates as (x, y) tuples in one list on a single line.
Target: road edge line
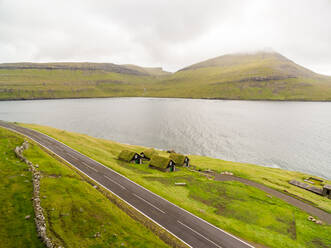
[(105, 188), (148, 190)]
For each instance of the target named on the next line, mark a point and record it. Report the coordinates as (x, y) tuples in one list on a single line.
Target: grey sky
[(171, 34)]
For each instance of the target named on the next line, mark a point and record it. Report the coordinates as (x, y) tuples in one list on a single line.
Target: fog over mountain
[(171, 34)]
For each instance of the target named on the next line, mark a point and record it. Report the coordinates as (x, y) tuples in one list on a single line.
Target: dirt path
[(322, 215)]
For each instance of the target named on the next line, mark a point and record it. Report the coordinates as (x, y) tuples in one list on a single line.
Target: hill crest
[(273, 60)]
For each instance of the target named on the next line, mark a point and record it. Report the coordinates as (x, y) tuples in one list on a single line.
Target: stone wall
[(38, 210)]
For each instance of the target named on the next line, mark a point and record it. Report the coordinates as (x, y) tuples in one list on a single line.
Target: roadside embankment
[(39, 215)]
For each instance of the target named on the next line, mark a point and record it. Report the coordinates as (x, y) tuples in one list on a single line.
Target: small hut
[(130, 156), (147, 154), (179, 159), (162, 163), (327, 191)]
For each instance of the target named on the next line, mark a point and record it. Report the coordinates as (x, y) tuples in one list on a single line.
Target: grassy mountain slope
[(85, 66), (153, 71), (69, 83), (258, 76), (247, 76)]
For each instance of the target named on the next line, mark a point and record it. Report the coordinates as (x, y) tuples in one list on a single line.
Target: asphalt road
[(192, 230)]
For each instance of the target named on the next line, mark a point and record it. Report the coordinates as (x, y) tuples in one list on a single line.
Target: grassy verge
[(77, 215), (273, 177), (237, 208), (15, 196)]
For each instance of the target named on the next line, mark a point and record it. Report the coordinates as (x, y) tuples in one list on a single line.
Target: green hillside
[(152, 71), (74, 210), (247, 76), (245, 211), (70, 81), (258, 76)]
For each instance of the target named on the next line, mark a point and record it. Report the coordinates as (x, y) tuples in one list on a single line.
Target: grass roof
[(150, 152), (159, 161), (179, 159), (126, 155)]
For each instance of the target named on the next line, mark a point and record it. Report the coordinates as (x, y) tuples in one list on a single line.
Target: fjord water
[(289, 135)]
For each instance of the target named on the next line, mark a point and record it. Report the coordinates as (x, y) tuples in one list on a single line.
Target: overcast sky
[(170, 34)]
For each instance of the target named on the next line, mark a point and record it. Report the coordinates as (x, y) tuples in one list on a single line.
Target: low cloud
[(171, 34)]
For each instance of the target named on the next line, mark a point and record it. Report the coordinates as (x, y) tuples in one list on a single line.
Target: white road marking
[(199, 234), (70, 155), (114, 181), (89, 166), (29, 136), (195, 216), (149, 203), (58, 155)]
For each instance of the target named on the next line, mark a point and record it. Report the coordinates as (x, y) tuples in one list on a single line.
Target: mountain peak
[(266, 62), (237, 58)]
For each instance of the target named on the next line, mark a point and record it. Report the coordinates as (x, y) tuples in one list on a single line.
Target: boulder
[(25, 145)]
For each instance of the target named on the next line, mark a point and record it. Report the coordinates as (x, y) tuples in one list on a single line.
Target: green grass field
[(74, 210), (261, 76), (16, 191), (239, 209)]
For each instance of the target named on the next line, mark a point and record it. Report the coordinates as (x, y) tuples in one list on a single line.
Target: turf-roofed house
[(130, 156), (327, 191), (148, 154), (162, 163), (180, 159)]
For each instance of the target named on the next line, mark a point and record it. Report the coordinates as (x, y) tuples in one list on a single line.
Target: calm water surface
[(289, 135)]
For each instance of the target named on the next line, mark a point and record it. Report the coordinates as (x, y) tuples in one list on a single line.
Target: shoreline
[(276, 178), (158, 97), (189, 154)]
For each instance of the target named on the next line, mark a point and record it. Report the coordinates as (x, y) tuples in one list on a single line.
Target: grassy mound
[(126, 155), (160, 162), (179, 159), (149, 153)]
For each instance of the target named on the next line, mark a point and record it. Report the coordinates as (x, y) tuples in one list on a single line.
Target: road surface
[(189, 228)]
